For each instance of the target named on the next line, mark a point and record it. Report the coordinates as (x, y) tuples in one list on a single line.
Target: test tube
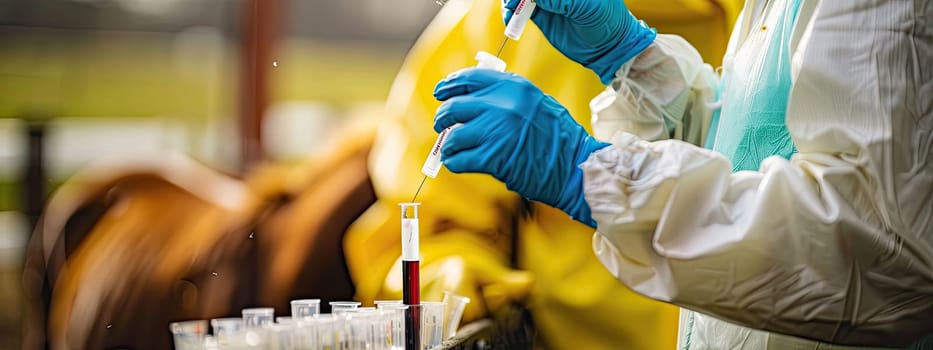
[(210, 343), (258, 317), (306, 332), (382, 333), (281, 337), (226, 325), (342, 331), (324, 331), (305, 307), (227, 330), (411, 285), (252, 338), (396, 324), (453, 312), (338, 307), (432, 323), (188, 335), (358, 330)]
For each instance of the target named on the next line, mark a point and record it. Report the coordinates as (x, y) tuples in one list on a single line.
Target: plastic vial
[(188, 335), (258, 317), (305, 307)]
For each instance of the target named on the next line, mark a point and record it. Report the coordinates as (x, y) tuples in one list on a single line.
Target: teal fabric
[(751, 124), (714, 122)]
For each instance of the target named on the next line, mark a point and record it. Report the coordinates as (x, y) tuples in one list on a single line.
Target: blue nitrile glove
[(514, 132), (599, 34)]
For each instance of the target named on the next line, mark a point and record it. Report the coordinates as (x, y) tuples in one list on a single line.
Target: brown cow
[(124, 248)]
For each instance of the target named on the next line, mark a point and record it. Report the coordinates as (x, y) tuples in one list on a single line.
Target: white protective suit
[(835, 244)]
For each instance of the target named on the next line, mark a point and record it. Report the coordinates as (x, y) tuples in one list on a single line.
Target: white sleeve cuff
[(662, 93)]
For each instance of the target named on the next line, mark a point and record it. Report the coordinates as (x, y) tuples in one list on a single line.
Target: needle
[(419, 189), (502, 46)]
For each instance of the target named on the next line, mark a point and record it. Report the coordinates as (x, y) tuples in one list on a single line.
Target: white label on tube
[(432, 165), (410, 239), (519, 19)]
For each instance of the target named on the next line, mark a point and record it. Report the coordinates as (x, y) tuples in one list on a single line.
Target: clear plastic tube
[(281, 336), (307, 335), (356, 328), (258, 317), (305, 307), (453, 312), (225, 326), (325, 331), (396, 324), (188, 335), (432, 324)]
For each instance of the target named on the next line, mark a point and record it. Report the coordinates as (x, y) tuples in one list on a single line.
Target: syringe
[(516, 25), (513, 30)]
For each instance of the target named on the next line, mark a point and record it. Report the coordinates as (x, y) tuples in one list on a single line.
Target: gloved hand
[(599, 34), (514, 132)]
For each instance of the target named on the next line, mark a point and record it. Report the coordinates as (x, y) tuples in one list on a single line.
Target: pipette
[(513, 30)]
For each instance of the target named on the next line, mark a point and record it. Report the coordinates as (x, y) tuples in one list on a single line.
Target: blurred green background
[(125, 77)]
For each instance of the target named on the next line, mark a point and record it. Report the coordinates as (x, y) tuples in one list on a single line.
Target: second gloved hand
[(514, 132), (599, 34)]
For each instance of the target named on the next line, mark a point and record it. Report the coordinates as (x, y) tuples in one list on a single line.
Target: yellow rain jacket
[(468, 221)]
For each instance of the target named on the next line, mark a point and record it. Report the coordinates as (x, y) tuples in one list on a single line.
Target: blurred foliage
[(336, 72), (134, 74), (107, 74), (9, 196), (143, 74)]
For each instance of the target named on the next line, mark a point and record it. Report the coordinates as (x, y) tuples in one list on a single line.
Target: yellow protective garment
[(468, 220)]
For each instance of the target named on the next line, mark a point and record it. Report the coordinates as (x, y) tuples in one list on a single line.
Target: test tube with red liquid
[(411, 284)]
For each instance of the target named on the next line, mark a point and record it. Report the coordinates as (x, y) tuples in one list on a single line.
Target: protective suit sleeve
[(833, 244), (666, 92)]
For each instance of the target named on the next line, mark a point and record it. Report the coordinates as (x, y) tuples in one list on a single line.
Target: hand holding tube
[(599, 34), (514, 132)]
